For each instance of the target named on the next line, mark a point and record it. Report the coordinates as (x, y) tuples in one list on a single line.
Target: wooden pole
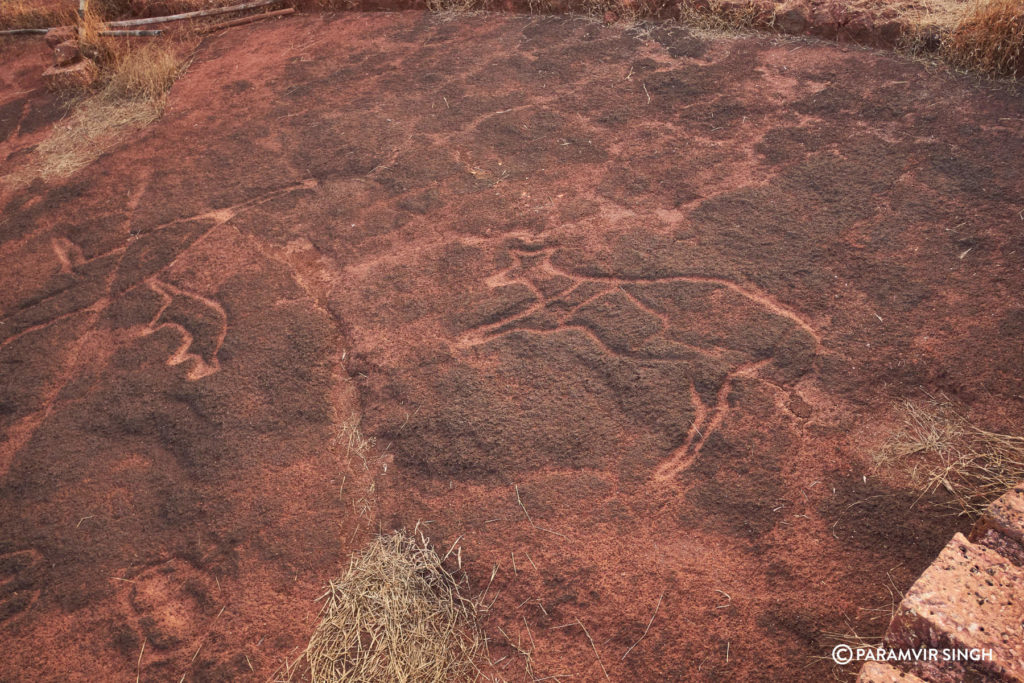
[(156, 32), (157, 20), (246, 20), (190, 15)]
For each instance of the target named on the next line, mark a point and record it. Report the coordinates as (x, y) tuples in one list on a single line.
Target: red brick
[(970, 597), (1006, 516), (1008, 548)]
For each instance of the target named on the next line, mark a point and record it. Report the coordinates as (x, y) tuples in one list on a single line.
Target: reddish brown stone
[(888, 33), (792, 21), (859, 29), (880, 672), (66, 53), (90, 52), (60, 34), (74, 77), (823, 23), (968, 598)]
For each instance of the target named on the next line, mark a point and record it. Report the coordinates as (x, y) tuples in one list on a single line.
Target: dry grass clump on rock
[(624, 11), (453, 6), (397, 615), (939, 448), (989, 38), (140, 69), (146, 73), (926, 22), (725, 16)]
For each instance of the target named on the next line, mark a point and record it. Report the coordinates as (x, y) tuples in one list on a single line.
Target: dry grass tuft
[(454, 6), (28, 14), (131, 69), (627, 12), (720, 16), (146, 73), (940, 449), (989, 38), (396, 615), (95, 125), (111, 9), (926, 22)]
